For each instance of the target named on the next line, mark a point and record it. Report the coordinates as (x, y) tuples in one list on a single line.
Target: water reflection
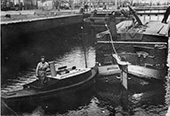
[(76, 57), (139, 99)]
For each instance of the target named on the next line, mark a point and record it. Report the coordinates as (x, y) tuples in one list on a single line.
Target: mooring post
[(124, 75), (111, 26), (123, 65)]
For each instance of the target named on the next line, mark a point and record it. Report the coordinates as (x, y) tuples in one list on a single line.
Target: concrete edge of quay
[(38, 19)]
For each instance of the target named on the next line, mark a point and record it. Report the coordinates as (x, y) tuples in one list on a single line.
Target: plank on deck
[(154, 27)]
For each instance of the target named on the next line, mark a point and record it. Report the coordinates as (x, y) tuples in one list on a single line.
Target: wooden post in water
[(124, 75), (124, 71), (111, 25)]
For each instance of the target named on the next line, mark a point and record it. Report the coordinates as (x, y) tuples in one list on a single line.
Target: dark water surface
[(106, 98)]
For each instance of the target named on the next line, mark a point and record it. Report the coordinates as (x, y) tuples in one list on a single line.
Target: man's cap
[(42, 56)]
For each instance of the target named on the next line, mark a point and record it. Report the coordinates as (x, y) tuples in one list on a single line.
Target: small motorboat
[(62, 81)]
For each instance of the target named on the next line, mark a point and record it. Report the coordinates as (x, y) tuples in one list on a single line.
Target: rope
[(114, 49)]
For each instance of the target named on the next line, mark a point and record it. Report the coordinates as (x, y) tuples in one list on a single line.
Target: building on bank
[(18, 4)]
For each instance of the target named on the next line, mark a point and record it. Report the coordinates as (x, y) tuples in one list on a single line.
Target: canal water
[(106, 98)]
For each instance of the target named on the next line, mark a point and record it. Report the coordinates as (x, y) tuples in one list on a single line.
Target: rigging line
[(114, 49)]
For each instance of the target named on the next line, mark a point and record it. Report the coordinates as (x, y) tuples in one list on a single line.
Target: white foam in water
[(18, 84), (4, 91), (7, 89)]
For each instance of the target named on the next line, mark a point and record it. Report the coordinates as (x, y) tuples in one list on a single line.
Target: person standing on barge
[(41, 70)]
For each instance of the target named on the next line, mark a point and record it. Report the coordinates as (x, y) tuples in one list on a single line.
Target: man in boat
[(166, 15), (41, 70)]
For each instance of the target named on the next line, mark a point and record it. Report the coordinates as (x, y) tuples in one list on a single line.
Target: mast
[(84, 49), (116, 4)]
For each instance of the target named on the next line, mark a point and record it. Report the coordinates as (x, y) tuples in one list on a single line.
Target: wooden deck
[(151, 28)]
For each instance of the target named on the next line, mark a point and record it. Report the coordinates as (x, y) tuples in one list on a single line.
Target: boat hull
[(135, 70), (147, 73), (59, 92), (138, 68)]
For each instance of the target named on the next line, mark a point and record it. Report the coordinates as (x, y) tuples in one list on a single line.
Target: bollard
[(52, 68), (124, 74), (124, 70)]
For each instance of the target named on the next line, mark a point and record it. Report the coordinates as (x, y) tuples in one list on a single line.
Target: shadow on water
[(142, 97)]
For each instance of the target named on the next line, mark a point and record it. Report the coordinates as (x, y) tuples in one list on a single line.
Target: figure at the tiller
[(41, 70)]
